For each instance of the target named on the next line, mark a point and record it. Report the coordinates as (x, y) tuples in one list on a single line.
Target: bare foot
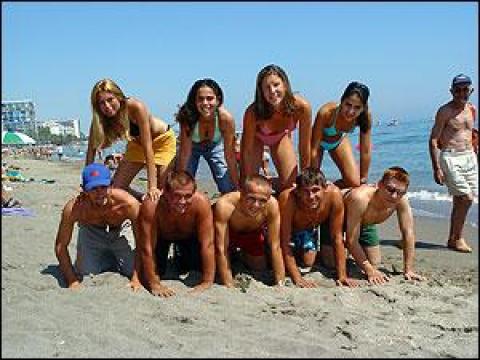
[(460, 245)]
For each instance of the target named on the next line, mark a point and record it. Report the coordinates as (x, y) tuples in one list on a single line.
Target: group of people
[(282, 228)]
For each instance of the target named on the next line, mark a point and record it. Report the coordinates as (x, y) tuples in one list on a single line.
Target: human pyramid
[(286, 224)]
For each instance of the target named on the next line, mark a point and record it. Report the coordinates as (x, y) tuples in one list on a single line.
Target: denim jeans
[(214, 154)]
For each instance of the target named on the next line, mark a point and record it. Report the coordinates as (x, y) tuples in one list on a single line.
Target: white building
[(63, 127), (19, 115)]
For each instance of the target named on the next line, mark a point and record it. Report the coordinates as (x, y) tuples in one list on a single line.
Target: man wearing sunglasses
[(454, 161), (368, 205)]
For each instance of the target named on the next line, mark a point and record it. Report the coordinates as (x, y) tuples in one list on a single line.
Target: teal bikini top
[(217, 135), (332, 130)]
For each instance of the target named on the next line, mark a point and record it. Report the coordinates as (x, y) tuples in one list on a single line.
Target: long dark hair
[(263, 110), (188, 112), (363, 93)]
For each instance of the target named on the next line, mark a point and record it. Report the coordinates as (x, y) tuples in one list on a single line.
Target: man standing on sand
[(241, 218), (60, 151), (182, 216), (454, 161), (368, 205), (100, 211), (303, 208)]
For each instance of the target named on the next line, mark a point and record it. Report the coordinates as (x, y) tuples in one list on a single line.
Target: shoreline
[(424, 204), (434, 318)]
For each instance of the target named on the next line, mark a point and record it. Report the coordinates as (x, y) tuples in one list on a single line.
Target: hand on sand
[(200, 288), (153, 194), (134, 285), (75, 285), (459, 245), (377, 278), (304, 283), (347, 282), (160, 290), (438, 176), (410, 275)]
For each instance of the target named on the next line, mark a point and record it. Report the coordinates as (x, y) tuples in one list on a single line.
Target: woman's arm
[(305, 127), (317, 136), (365, 152), (248, 143), (91, 150), (185, 148), (138, 111), (227, 127)]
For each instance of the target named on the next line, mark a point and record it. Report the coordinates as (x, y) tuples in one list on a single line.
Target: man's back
[(228, 209), (361, 201), (119, 206), (181, 226)]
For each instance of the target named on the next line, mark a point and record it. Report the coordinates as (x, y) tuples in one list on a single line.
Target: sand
[(41, 318)]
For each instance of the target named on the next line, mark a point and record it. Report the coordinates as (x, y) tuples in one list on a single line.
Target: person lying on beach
[(373, 204), (241, 219), (182, 216), (270, 121), (100, 211), (150, 141), (310, 210), (330, 132), (8, 201)]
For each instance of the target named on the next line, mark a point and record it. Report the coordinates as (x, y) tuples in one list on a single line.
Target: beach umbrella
[(16, 138)]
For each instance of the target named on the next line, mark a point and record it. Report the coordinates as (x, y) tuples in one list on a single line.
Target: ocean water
[(405, 145)]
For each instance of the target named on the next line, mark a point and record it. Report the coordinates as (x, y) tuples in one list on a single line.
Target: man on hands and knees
[(368, 205), (453, 155), (181, 216), (303, 209), (241, 219), (100, 211)]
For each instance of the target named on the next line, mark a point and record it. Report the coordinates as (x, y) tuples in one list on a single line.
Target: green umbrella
[(16, 138)]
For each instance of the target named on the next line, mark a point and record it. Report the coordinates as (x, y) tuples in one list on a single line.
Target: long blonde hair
[(106, 131)]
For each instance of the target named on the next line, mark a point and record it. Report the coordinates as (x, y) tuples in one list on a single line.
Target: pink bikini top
[(272, 138)]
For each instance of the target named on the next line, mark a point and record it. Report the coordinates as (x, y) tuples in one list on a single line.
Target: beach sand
[(41, 318)]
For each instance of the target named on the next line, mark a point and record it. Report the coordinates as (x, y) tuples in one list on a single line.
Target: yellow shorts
[(164, 149)]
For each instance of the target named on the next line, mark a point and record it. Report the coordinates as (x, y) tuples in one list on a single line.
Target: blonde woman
[(150, 141)]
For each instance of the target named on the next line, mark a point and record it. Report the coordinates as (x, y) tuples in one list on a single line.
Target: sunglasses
[(393, 190), (458, 90)]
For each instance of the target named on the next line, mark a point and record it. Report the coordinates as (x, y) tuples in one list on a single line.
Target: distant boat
[(393, 122)]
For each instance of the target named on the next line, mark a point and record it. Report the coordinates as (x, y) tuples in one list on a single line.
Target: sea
[(402, 143)]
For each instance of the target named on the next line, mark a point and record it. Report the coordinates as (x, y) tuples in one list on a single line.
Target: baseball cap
[(95, 175), (461, 79)]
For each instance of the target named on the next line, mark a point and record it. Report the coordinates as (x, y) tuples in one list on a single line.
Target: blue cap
[(461, 79), (95, 175)]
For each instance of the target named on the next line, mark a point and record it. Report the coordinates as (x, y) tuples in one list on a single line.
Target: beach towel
[(17, 212)]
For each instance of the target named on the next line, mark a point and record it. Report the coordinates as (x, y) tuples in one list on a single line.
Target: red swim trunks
[(252, 242)]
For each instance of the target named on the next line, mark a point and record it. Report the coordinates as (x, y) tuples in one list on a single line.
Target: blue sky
[(407, 53)]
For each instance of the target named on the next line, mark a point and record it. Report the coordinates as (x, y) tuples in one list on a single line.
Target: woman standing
[(269, 121), (332, 124), (207, 129), (150, 141)]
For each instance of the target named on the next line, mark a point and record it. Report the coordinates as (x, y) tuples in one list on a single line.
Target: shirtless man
[(100, 211), (182, 216), (454, 161), (368, 205), (303, 209), (240, 218)]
